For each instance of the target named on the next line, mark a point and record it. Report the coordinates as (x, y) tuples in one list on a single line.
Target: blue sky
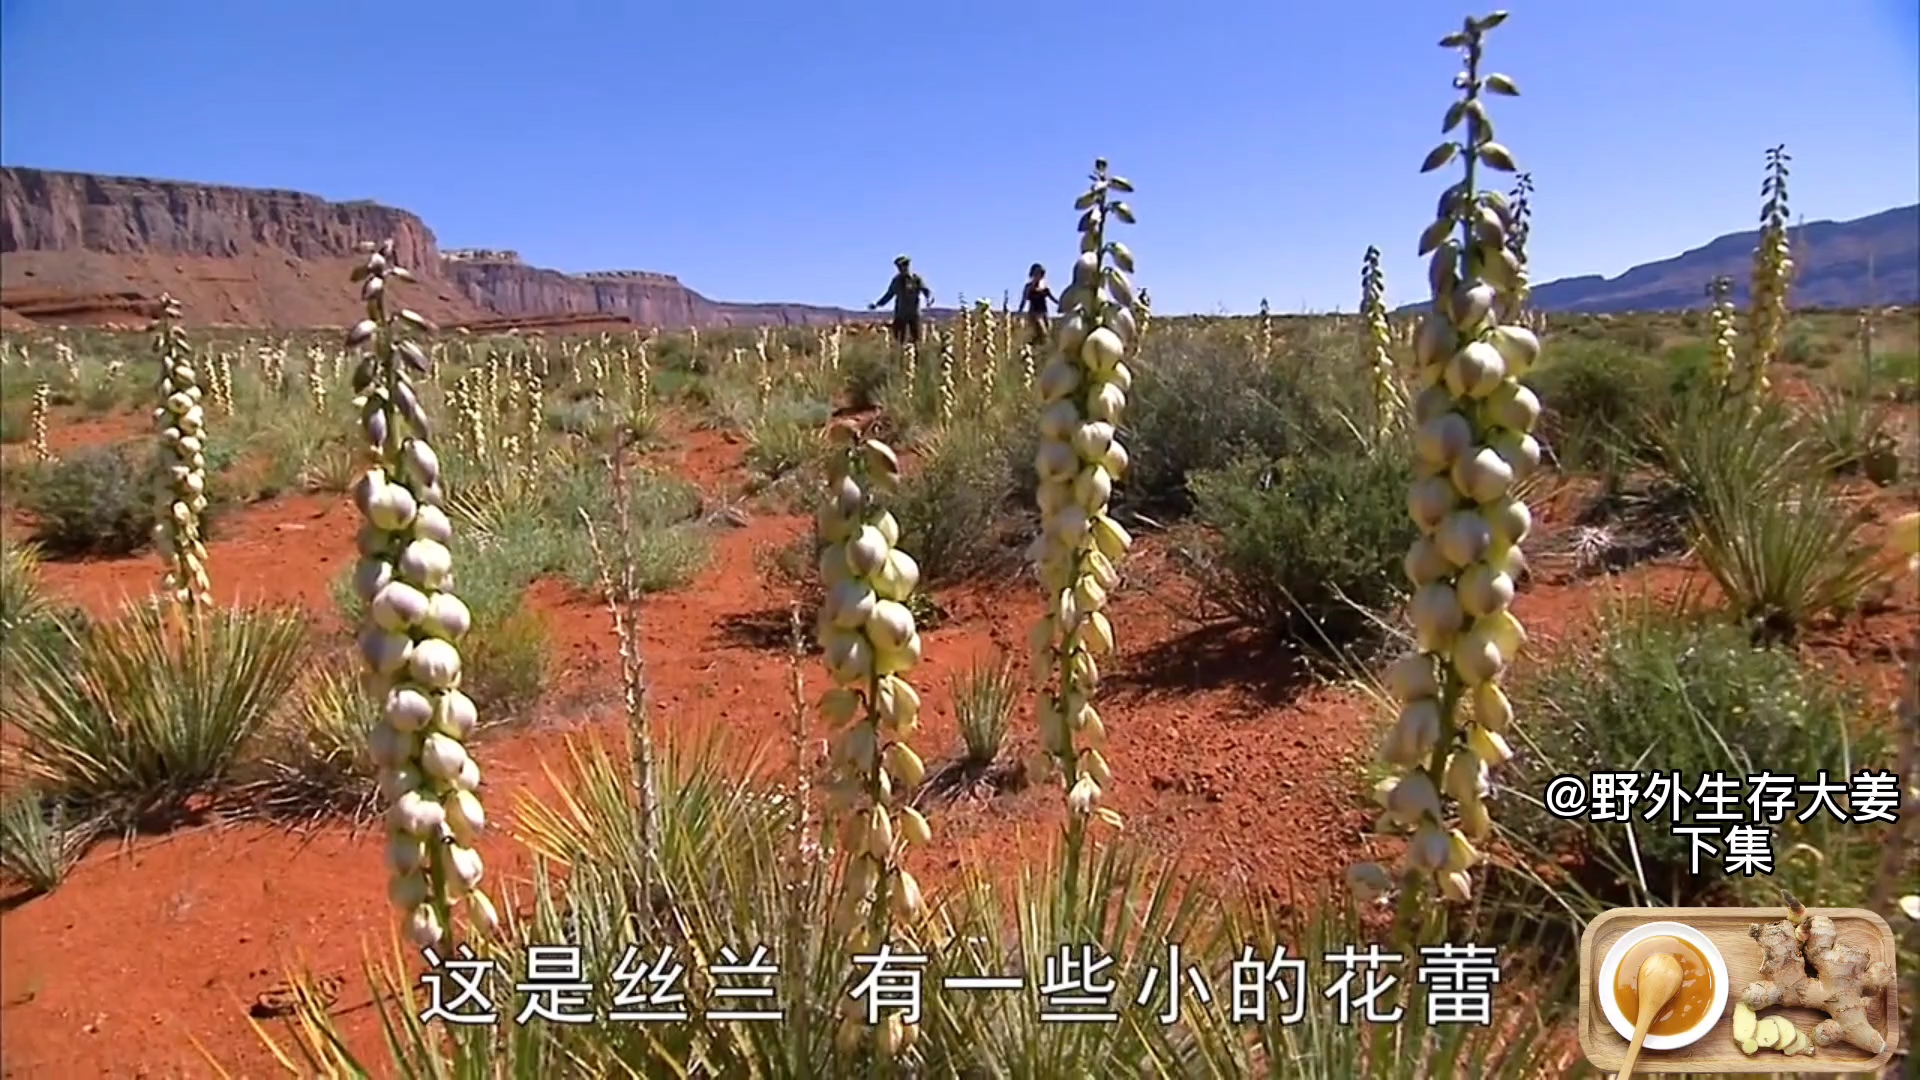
[(768, 151)]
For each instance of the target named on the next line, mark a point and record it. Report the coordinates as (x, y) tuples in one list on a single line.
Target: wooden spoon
[(1660, 976)]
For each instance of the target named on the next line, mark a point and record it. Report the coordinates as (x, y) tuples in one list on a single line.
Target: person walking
[(1033, 303), (906, 290)]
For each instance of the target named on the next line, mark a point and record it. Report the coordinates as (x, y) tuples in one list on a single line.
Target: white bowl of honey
[(1694, 1009)]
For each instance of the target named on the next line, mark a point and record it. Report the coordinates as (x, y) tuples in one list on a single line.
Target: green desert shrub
[(97, 500), (1306, 547), (1658, 691)]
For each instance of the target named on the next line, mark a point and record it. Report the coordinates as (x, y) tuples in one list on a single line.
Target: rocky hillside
[(498, 282), (1839, 264), (81, 249)]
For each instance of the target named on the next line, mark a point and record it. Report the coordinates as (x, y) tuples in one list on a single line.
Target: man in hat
[(906, 291)]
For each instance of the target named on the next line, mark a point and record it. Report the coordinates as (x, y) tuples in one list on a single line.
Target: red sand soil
[(147, 954)]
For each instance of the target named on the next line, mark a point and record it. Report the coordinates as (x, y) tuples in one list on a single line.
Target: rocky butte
[(80, 248)]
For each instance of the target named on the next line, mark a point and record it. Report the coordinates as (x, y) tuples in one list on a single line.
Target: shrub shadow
[(1222, 655)]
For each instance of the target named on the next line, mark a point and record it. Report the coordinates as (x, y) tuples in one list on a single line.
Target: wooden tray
[(1716, 1051)]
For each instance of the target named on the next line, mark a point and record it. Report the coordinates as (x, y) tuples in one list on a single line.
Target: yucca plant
[(1780, 541), (1726, 336), (983, 700), (24, 604), (1519, 233), (42, 408), (317, 756), (37, 843), (129, 719)]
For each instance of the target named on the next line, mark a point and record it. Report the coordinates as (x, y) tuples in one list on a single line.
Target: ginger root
[(1844, 979)]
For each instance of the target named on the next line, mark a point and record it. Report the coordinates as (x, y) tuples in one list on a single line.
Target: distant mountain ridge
[(1837, 264)]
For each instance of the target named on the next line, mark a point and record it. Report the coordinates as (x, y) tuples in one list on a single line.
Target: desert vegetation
[(1193, 642)]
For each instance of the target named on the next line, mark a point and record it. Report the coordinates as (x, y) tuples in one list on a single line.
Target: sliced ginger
[(1845, 980), (1754, 1033)]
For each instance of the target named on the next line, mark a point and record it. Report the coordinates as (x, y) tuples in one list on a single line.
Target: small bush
[(869, 374), (1308, 547), (505, 664), (23, 602), (786, 439), (1658, 689), (1598, 400), (1197, 402), (16, 422), (94, 501), (947, 506), (580, 416)]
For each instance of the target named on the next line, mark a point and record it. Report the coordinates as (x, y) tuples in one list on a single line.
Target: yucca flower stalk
[(870, 640), (42, 407), (643, 375), (1026, 367), (1725, 334), (273, 365), (1143, 313), (413, 620), (989, 351), (316, 382), (1472, 449), (1519, 231), (1772, 271), (536, 410), (69, 360), (181, 478), (1389, 401), (1083, 390), (221, 383), (1263, 343), (962, 332), (948, 392), (763, 368)]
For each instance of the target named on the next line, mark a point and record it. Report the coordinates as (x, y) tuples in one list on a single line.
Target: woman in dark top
[(1034, 300)]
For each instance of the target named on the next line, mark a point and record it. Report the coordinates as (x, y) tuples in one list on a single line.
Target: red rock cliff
[(508, 287), (80, 247)]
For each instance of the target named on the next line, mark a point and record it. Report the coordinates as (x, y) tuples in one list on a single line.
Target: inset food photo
[(1738, 990)]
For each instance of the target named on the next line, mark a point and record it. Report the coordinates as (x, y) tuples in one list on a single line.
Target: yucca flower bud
[(1083, 392), (181, 473), (409, 640), (1473, 448)]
